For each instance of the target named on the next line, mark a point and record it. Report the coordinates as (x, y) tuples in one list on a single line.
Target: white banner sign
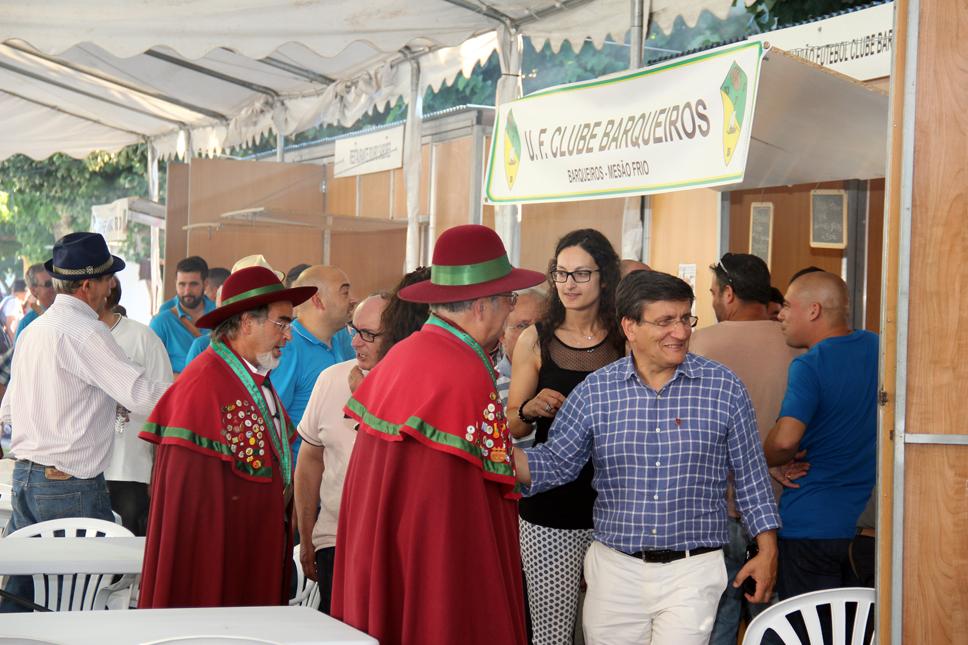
[(677, 125), (857, 44), (111, 220), (371, 152)]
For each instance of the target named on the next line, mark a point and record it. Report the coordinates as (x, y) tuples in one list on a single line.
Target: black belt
[(666, 556)]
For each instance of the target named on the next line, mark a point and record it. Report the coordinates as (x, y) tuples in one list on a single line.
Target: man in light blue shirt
[(175, 325), (319, 338)]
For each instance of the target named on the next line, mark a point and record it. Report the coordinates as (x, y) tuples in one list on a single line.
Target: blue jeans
[(730, 611), (35, 498)]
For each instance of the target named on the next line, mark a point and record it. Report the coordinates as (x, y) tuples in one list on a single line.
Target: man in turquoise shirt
[(41, 290), (175, 325), (319, 338)]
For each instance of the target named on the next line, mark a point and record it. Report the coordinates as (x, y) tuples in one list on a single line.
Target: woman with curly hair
[(577, 335)]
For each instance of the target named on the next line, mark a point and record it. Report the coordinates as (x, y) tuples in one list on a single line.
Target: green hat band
[(252, 293), (462, 275)]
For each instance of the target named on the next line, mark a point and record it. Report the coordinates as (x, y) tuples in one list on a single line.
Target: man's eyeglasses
[(581, 275), (665, 323), (284, 326), (48, 284), (512, 297), (365, 334)]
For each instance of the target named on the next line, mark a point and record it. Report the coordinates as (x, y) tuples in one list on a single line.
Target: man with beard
[(176, 323), (218, 530)]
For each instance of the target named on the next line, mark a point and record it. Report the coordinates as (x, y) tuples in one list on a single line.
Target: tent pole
[(637, 214), (507, 219), (412, 159), (152, 171)]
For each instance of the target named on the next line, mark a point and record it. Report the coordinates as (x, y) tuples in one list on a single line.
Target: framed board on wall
[(761, 230), (828, 219)]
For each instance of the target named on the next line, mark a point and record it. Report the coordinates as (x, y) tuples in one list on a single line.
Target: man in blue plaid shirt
[(663, 428)]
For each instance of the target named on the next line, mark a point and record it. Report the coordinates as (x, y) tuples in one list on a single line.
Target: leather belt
[(666, 556)]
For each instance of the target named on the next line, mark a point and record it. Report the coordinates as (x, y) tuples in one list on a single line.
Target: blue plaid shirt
[(661, 458)]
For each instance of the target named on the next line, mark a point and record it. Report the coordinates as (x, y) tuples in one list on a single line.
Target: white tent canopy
[(200, 77)]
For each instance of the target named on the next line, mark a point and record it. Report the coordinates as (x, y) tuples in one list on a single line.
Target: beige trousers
[(630, 601)]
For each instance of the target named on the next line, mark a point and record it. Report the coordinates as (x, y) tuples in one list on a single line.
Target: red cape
[(427, 544), (217, 534)]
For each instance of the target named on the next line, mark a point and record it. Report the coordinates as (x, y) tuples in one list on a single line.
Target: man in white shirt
[(68, 376), (129, 473), (328, 438)]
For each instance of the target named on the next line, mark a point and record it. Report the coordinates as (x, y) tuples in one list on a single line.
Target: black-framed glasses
[(512, 297), (365, 334), (283, 325), (579, 275), (48, 284), (665, 323)]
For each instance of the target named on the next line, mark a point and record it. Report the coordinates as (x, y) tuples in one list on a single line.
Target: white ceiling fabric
[(78, 76)]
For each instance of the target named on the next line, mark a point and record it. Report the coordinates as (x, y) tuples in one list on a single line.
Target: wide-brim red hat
[(469, 262), (252, 288)]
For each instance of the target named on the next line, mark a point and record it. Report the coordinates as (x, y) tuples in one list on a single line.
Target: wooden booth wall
[(685, 230), (201, 191), (936, 475), (791, 237), (791, 230)]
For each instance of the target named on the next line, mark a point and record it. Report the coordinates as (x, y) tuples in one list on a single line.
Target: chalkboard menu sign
[(761, 230), (828, 219)]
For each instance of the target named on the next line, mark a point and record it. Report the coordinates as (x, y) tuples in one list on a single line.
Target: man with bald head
[(626, 267), (319, 337), (828, 417)]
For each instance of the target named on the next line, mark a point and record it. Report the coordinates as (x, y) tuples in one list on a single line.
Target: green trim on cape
[(218, 448), (445, 439)]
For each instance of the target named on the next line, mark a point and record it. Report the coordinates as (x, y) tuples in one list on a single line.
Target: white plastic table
[(283, 625), (66, 555)]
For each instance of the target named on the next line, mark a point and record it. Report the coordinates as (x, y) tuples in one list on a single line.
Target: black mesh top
[(562, 369)]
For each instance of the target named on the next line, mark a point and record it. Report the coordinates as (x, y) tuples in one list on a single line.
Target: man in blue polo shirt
[(41, 290), (829, 412), (175, 324), (319, 338)]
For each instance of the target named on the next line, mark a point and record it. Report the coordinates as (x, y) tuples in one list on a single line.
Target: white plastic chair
[(78, 592), (777, 617), (307, 591)]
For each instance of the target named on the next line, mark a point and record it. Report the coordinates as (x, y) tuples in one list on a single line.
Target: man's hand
[(307, 557), (762, 568), (789, 472), (355, 378)]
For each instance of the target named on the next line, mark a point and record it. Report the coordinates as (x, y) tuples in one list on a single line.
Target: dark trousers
[(130, 501), (814, 565), (325, 561), (863, 552)]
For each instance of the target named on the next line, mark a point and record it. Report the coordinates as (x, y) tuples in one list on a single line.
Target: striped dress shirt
[(661, 458), (68, 373)]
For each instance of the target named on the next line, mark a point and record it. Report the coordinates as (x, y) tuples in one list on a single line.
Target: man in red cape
[(218, 529), (427, 544)]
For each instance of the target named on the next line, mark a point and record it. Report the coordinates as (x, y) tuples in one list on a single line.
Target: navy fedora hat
[(82, 256)]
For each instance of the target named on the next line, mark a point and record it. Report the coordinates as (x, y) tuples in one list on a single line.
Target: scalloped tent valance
[(99, 75)]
